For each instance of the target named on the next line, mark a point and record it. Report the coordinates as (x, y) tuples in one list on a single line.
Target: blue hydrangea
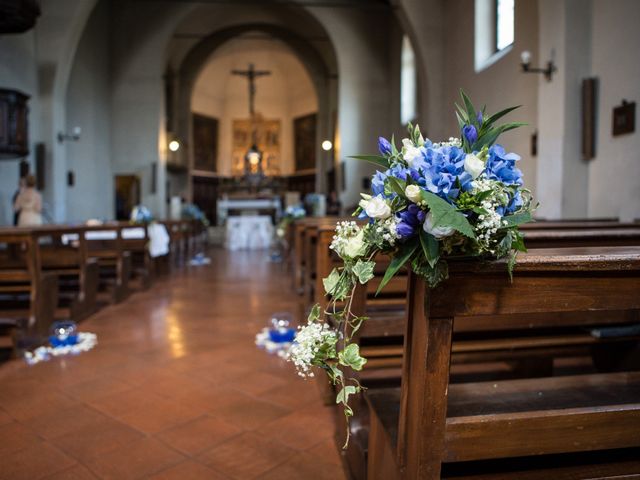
[(441, 167), (502, 166)]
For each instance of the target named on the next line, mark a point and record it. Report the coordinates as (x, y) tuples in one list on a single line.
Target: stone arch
[(320, 71)]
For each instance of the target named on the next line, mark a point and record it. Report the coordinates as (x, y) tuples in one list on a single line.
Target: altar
[(247, 205)]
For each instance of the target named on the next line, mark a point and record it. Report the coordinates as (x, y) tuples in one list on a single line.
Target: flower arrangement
[(291, 213), (429, 202), (190, 211), (141, 214)]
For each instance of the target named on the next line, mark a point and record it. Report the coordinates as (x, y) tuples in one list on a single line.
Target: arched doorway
[(298, 69)]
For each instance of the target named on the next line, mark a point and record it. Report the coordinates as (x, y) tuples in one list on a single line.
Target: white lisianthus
[(413, 193), (377, 207), (354, 246), (410, 151), (438, 232), (473, 165)]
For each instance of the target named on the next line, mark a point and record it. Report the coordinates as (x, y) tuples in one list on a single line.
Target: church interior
[(253, 239)]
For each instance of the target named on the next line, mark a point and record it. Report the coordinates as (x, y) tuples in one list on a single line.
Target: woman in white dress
[(29, 204)]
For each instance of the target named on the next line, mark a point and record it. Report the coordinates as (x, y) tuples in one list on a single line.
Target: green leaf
[(445, 215), (397, 186), (350, 357), (430, 247), (314, 314), (463, 114), (516, 219), (471, 112), (343, 395), (336, 285), (394, 150), (377, 159), (437, 274), (397, 262), (363, 270), (511, 263), (496, 116), (331, 281), (334, 373), (460, 121)]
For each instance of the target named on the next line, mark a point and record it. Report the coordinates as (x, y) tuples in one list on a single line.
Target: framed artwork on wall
[(304, 135), (205, 143), (267, 139)]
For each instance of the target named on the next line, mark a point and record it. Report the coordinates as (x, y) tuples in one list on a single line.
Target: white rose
[(364, 200), (438, 232), (413, 193), (473, 165), (354, 246), (410, 151), (377, 207)]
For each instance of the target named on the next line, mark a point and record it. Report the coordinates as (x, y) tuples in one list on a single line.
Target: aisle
[(174, 389)]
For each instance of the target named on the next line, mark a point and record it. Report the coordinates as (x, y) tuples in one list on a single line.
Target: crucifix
[(253, 158), (251, 75)]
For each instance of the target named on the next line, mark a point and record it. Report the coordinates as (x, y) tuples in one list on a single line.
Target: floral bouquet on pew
[(291, 214), (141, 215), (190, 211), (429, 201)]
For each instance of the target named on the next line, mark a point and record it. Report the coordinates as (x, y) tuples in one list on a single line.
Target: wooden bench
[(529, 350), (135, 240), (428, 424), (187, 238), (78, 274), (28, 295), (301, 254), (105, 243)]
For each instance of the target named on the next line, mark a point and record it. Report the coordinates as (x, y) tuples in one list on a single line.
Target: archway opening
[(286, 110)]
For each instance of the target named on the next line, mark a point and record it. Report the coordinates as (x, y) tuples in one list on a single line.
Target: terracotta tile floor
[(175, 389)]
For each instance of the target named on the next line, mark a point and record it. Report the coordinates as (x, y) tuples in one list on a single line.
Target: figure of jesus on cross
[(251, 75)]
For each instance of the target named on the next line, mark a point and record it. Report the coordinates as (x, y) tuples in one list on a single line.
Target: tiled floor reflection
[(175, 389)]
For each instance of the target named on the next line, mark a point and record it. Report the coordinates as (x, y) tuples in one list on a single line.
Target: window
[(408, 83), (494, 31), (504, 23)]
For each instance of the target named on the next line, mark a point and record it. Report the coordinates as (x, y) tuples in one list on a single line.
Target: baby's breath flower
[(311, 347)]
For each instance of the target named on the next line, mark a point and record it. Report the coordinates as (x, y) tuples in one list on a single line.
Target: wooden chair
[(430, 424)]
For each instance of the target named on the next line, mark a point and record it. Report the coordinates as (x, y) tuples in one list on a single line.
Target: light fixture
[(174, 145), (254, 158), (548, 72), (74, 135), (327, 145)]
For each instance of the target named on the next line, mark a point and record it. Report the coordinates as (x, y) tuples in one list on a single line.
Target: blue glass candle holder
[(281, 330), (63, 334)]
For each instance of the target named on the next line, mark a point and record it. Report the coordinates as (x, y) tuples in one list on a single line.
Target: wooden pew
[(429, 424), (28, 295), (517, 354), (105, 243), (178, 243), (135, 240), (78, 274)]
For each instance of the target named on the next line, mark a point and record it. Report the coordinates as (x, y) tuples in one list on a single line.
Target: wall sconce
[(548, 72), (327, 145), (74, 135), (174, 145)]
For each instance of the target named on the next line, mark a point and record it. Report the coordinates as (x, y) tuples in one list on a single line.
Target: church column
[(562, 176)]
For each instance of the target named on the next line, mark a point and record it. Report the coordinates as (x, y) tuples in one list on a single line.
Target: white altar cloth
[(249, 232), (225, 204)]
